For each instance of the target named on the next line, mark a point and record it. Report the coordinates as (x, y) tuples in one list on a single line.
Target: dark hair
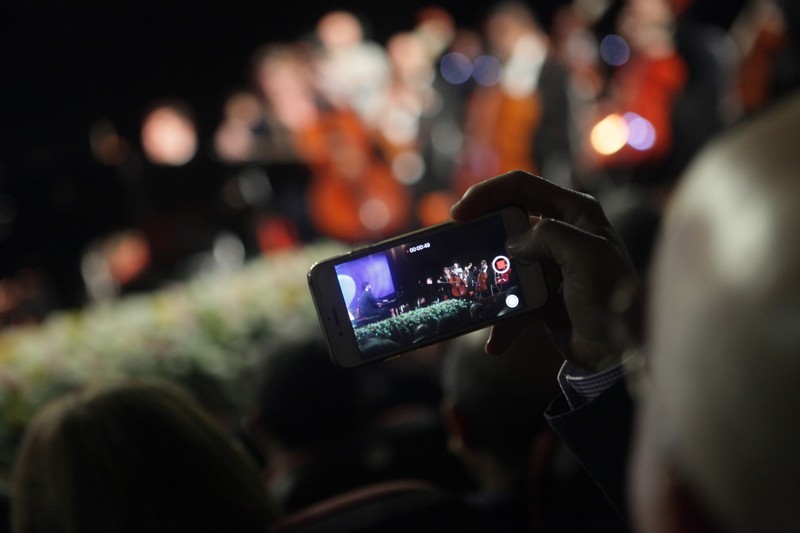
[(304, 401), (132, 457), (501, 397)]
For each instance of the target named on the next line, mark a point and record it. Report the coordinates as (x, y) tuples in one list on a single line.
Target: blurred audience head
[(133, 457), (307, 412), (717, 437), (305, 402), (493, 406)]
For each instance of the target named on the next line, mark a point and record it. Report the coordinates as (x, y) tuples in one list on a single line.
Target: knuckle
[(591, 205)]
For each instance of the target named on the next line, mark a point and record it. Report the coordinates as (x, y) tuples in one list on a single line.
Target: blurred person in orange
[(634, 123), (765, 33)]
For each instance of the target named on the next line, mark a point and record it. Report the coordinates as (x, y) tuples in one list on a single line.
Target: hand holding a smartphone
[(572, 236), (424, 287)]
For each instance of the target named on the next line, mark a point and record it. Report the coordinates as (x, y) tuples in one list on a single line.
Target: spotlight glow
[(641, 133), (169, 136), (609, 135)]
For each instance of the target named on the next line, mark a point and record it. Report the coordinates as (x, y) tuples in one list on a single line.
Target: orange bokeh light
[(169, 136), (609, 135)]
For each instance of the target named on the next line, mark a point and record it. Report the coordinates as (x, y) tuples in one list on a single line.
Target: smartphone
[(423, 287)]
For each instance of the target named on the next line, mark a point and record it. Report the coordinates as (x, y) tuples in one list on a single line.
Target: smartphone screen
[(424, 287)]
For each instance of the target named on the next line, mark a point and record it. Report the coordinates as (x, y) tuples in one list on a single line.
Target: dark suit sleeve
[(599, 434)]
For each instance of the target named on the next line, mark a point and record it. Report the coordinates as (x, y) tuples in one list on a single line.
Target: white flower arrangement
[(211, 323)]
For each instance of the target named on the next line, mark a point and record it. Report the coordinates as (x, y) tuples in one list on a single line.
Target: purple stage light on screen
[(372, 268)]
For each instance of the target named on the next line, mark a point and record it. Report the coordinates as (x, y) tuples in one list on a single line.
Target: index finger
[(534, 194)]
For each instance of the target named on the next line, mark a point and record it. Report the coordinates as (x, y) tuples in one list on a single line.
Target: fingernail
[(514, 244)]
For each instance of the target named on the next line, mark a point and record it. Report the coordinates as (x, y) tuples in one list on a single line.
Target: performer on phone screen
[(458, 287), (369, 305), (482, 279)]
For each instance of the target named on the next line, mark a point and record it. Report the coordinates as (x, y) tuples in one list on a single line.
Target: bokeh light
[(111, 263), (401, 126), (228, 252), (614, 50), (169, 136), (609, 135), (434, 207), (408, 167), (456, 68), (108, 147), (615, 131), (374, 214), (487, 71), (641, 133)]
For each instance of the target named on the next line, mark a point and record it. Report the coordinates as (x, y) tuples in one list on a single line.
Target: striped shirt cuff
[(581, 386)]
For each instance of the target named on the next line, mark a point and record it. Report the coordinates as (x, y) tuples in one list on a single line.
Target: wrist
[(594, 356), (607, 361)]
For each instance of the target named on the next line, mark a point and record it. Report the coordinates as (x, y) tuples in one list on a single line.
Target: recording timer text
[(418, 248)]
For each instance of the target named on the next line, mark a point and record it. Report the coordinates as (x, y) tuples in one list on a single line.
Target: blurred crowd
[(335, 135), (445, 439)]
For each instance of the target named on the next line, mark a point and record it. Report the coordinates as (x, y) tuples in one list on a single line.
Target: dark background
[(66, 63)]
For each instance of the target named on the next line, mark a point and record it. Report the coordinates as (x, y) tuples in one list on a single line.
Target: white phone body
[(414, 300)]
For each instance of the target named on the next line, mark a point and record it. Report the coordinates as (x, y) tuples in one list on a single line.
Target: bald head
[(724, 331)]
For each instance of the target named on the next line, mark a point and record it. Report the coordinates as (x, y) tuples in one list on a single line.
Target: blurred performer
[(634, 125), (763, 32), (419, 125), (576, 46), (353, 195), (482, 279), (470, 276), (521, 92), (350, 70)]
